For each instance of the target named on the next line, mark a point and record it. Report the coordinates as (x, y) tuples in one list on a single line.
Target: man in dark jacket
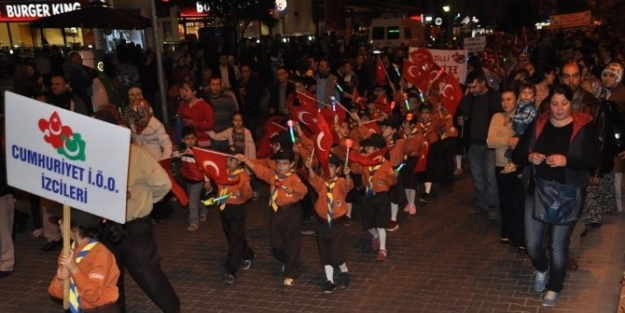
[(80, 79), (250, 92), (279, 93), (474, 114)]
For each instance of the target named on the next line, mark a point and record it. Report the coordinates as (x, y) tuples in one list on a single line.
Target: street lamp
[(449, 26)]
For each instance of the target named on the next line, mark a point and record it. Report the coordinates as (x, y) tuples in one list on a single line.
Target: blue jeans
[(195, 204), (482, 164), (559, 236)]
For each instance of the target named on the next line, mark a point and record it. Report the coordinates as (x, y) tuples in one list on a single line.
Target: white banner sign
[(66, 157), (475, 44), (578, 19), (453, 61)]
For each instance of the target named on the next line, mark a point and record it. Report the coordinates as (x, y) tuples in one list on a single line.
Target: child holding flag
[(285, 222), (377, 205), (232, 214), (390, 128), (331, 210)]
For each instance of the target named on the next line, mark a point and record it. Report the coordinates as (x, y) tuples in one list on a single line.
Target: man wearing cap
[(90, 266), (133, 243)]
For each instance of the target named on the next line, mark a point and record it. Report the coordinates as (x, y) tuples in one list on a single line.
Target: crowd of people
[(545, 115)]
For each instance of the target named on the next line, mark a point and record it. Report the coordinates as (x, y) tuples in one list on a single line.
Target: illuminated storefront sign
[(29, 11)]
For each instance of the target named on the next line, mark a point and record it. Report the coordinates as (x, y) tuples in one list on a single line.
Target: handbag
[(556, 203)]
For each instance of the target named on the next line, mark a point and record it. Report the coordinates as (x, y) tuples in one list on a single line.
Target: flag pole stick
[(66, 229), (215, 152)]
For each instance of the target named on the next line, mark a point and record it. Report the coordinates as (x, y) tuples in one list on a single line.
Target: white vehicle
[(394, 31)]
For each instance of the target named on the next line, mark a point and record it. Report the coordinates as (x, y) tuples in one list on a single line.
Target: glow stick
[(333, 101), (396, 70), (211, 201), (421, 97), (400, 167), (290, 123), (406, 101), (348, 144), (338, 86)]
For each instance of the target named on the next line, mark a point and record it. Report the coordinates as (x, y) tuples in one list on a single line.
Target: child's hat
[(391, 122), (425, 106), (334, 159), (284, 154), (375, 140)]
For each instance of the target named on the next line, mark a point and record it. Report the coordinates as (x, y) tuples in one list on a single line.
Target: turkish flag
[(307, 100), (380, 73), (373, 126), (372, 159), (176, 189), (450, 93), (272, 128), (213, 164), (420, 69), (328, 114), (323, 144), (357, 99), (384, 105), (422, 162), (307, 118)]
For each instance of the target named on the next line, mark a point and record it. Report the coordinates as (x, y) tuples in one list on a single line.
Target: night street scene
[(435, 156)]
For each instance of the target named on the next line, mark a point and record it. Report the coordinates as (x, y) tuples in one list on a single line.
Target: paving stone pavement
[(441, 260)]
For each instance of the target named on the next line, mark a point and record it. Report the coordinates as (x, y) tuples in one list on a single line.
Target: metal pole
[(10, 35), (158, 48)]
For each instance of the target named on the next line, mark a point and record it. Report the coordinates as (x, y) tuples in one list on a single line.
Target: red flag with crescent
[(450, 93), (383, 104), (422, 162), (380, 73), (307, 118), (176, 189), (420, 68), (323, 144), (372, 159), (272, 128), (213, 164)]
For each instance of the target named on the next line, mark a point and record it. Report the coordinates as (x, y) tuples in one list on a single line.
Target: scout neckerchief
[(224, 191), (273, 200), (74, 298), (330, 200), (372, 170), (413, 131)]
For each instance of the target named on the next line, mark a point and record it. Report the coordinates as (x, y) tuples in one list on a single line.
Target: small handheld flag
[(406, 101)]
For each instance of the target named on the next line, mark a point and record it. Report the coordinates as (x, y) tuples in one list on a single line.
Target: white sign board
[(66, 157), (475, 44), (578, 19), (453, 61)]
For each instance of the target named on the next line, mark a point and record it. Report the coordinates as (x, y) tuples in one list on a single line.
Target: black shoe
[(596, 225), (245, 265), (424, 198), (584, 233), (329, 287), (228, 278), (348, 221), (52, 245), (344, 280), (4, 274)]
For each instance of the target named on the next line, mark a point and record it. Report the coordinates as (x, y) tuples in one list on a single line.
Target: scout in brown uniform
[(414, 141), (429, 128), (377, 206), (232, 214), (390, 128), (331, 210), (285, 222), (442, 151)]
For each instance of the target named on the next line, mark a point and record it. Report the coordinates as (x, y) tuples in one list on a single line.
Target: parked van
[(393, 31)]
